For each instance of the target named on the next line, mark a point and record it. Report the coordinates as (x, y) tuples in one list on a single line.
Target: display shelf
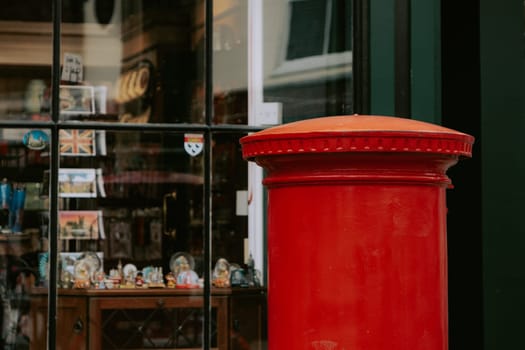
[(102, 316)]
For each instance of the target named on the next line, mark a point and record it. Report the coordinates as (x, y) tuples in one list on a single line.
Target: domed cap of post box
[(356, 133)]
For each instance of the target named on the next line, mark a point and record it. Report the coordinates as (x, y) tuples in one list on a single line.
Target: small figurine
[(252, 274), (119, 269), (66, 279), (181, 264), (102, 285), (99, 280), (170, 280), (139, 280), (238, 278), (109, 283), (129, 282), (82, 279), (156, 278), (221, 273), (187, 279), (115, 278), (185, 276)]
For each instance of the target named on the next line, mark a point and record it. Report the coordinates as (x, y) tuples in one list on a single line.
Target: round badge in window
[(36, 139)]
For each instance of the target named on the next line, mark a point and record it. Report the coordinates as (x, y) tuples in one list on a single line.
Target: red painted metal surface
[(357, 231)]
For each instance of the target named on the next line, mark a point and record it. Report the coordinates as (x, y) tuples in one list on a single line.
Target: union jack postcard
[(77, 143)]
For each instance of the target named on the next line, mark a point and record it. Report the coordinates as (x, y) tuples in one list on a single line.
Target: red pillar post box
[(357, 231)]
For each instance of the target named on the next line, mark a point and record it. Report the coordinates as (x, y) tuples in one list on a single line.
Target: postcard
[(77, 183), (77, 99), (77, 143), (79, 224), (68, 260), (72, 70)]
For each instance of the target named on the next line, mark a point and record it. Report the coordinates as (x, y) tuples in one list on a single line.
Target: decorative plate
[(92, 259)]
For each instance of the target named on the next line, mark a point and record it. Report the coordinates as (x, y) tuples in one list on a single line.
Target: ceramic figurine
[(221, 273), (139, 280), (170, 280)]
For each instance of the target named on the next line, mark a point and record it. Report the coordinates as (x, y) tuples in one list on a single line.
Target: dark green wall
[(502, 48), (425, 59), (477, 87), (445, 89), (460, 81), (382, 57)]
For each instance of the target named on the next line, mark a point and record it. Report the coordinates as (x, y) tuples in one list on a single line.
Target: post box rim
[(357, 133)]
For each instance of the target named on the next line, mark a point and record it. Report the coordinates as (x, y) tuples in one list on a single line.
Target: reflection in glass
[(133, 62), (308, 57), (141, 188), (230, 61), (229, 199), (24, 159), (134, 200), (128, 201), (25, 62)]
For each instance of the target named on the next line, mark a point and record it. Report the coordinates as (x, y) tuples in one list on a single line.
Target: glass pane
[(25, 76), (307, 29), (230, 62), (233, 266), (230, 199), (130, 238), (132, 61), (25, 62), (307, 81), (24, 158), (340, 27)]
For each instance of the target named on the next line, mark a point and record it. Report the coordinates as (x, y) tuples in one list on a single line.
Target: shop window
[(127, 168)]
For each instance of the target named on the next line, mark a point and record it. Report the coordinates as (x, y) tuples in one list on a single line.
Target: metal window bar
[(55, 164)]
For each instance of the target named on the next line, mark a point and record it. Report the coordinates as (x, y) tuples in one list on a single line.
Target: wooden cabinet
[(247, 317), (151, 318), (72, 321)]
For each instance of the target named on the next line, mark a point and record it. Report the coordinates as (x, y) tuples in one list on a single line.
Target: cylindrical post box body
[(357, 231)]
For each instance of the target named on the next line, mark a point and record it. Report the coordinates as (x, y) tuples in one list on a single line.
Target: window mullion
[(54, 165)]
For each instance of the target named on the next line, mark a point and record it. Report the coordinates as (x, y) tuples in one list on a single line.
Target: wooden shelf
[(90, 315)]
